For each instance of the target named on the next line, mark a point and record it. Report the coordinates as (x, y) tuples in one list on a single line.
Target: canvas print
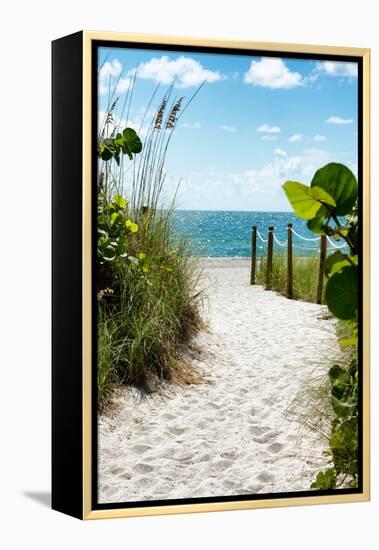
[(227, 284)]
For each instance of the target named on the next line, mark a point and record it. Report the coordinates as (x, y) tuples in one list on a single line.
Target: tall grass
[(305, 276), (313, 407), (153, 309)]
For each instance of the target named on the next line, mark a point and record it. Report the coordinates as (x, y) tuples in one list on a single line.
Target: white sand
[(230, 436)]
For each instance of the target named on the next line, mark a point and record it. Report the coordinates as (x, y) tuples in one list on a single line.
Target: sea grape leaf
[(335, 262), (131, 143), (341, 293), (105, 154), (316, 225), (306, 201), (339, 182)]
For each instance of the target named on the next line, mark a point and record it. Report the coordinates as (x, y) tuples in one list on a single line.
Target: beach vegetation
[(148, 296), (305, 276), (333, 194)]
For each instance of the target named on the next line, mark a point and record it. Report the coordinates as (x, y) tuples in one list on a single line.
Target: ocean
[(228, 233)]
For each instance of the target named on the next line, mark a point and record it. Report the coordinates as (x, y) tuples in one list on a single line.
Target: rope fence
[(268, 243)]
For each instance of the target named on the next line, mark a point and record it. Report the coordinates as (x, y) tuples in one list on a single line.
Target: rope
[(261, 238), (313, 239), (278, 242), (305, 238), (334, 245)]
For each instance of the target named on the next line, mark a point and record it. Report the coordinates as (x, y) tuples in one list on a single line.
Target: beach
[(229, 435)]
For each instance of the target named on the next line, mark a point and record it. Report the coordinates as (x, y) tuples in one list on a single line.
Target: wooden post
[(253, 254), (289, 262), (323, 249), (270, 245)]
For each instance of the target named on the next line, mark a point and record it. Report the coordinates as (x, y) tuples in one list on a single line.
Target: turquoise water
[(228, 233)]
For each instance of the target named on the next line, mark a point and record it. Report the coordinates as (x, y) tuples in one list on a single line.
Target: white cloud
[(228, 128), (196, 125), (268, 180), (258, 188), (269, 138), (318, 138), (269, 129), (184, 71), (112, 68), (110, 77), (280, 153), (272, 72), (338, 68), (339, 120), (296, 137), (123, 85)]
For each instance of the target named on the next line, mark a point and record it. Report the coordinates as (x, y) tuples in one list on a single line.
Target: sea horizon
[(227, 233)]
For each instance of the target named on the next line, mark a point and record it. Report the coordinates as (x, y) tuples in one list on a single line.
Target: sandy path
[(229, 436)]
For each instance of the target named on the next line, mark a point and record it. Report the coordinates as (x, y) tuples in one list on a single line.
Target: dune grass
[(305, 276), (148, 298)]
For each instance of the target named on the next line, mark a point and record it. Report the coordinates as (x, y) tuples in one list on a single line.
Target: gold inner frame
[(88, 513)]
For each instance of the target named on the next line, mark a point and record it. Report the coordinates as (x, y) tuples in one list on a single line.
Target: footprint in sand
[(275, 447), (222, 464), (143, 468), (202, 425), (204, 458), (265, 477), (257, 430), (145, 482), (266, 437), (116, 471), (230, 455), (140, 449), (178, 431), (168, 416)]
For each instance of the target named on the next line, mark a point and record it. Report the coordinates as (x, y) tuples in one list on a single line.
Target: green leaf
[(120, 201), (342, 408), (341, 293), (109, 253), (336, 372), (131, 140), (325, 480), (340, 182), (335, 262), (316, 225), (102, 242), (119, 140), (306, 201), (116, 217), (106, 154), (345, 342)]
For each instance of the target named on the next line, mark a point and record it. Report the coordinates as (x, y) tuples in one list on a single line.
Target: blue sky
[(256, 122)]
